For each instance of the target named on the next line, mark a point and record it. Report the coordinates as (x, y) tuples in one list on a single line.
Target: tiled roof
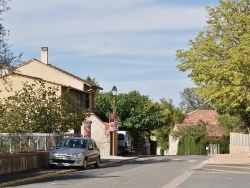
[(209, 117), (206, 116), (214, 130)]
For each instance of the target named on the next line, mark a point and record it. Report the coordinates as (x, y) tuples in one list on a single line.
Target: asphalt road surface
[(148, 172), (219, 176)]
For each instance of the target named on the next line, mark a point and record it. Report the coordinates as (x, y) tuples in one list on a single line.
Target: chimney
[(44, 55), (4, 71)]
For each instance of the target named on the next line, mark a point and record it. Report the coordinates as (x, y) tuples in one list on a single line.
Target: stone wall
[(238, 149)]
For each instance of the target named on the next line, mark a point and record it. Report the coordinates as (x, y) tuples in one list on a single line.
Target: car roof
[(75, 138)]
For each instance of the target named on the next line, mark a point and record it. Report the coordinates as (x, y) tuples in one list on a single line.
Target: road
[(219, 175), (148, 172)]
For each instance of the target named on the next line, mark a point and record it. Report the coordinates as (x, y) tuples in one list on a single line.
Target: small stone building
[(209, 117), (95, 128)]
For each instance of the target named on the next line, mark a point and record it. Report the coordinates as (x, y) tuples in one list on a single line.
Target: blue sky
[(127, 43)]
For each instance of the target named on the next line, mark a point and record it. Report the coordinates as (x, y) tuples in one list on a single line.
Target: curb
[(39, 177), (117, 161), (53, 174)]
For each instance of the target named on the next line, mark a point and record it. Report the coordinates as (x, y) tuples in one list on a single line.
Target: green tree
[(104, 105), (173, 115), (231, 123), (91, 80), (36, 108), (140, 115), (28, 110), (176, 114), (71, 115), (7, 58), (218, 60)]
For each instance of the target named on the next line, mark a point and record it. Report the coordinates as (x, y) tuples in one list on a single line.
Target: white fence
[(213, 149), (28, 142), (239, 143), (239, 139)]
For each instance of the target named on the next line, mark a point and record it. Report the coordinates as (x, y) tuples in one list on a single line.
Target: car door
[(91, 155), (96, 151)]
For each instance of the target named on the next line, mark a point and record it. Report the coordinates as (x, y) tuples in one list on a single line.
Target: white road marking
[(178, 180), (191, 161)]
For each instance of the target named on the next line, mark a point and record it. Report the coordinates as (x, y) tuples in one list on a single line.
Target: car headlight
[(77, 156), (51, 155)]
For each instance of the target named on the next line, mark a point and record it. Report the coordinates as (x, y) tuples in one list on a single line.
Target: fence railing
[(28, 142), (239, 139)]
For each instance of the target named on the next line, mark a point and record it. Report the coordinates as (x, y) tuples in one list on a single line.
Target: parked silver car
[(75, 152)]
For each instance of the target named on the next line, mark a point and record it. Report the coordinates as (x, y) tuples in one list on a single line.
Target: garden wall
[(10, 163)]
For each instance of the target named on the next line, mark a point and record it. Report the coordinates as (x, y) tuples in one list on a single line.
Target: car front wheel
[(85, 164), (97, 163), (51, 166)]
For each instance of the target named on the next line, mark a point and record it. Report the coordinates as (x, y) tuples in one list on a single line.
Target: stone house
[(209, 117), (83, 91)]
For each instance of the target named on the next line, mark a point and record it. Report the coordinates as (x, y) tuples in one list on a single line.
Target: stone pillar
[(87, 128)]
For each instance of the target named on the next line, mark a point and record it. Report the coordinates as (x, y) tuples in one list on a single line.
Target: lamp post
[(114, 93), (113, 120)]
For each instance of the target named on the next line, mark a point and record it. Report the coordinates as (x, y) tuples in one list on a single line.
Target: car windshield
[(73, 143)]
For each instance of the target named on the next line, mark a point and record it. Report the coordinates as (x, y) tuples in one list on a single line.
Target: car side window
[(94, 144), (83, 144), (90, 145)]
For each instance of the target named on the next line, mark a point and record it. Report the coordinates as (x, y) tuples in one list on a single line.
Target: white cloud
[(105, 18), (97, 28)]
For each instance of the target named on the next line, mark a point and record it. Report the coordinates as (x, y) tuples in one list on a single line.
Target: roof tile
[(209, 117), (206, 116)]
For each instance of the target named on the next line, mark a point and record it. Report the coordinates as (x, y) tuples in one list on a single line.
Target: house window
[(83, 100), (86, 100), (80, 101)]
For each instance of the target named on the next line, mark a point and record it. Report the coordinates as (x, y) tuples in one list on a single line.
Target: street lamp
[(114, 93), (113, 120)]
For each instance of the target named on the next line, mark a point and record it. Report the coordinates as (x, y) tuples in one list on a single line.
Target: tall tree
[(7, 58), (191, 101), (92, 80), (219, 58), (176, 114)]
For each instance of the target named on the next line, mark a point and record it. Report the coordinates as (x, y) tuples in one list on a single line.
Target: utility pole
[(114, 124)]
